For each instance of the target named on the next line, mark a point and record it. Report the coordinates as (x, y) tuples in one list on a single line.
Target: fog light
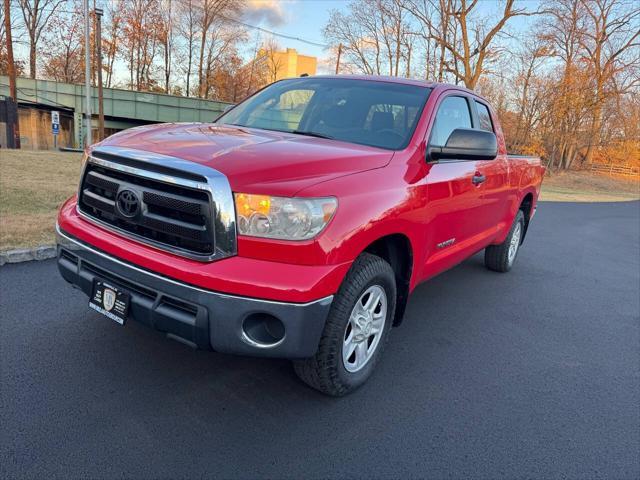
[(263, 330)]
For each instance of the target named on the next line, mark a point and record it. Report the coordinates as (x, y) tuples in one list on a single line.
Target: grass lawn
[(34, 184), (584, 186), (32, 187)]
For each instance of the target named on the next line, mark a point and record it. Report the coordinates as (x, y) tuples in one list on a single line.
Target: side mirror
[(466, 144)]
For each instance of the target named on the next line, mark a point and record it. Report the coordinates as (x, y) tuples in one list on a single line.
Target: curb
[(42, 252)]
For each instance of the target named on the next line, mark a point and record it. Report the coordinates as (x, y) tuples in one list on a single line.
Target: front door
[(454, 204)]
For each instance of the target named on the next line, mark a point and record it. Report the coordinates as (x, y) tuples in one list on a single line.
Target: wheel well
[(396, 250), (525, 206)]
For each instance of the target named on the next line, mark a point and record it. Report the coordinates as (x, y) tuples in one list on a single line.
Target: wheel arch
[(396, 249), (526, 205)]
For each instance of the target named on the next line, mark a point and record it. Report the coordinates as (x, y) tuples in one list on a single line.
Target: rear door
[(493, 190)]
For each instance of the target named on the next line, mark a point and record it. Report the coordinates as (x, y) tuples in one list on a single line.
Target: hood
[(255, 161)]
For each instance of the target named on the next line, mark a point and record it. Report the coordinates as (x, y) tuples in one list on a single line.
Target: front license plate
[(110, 301)]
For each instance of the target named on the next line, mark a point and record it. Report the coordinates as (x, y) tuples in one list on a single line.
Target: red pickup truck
[(299, 222)]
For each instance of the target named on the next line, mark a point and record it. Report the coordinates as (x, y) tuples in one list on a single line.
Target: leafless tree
[(111, 39), (611, 42), (187, 29), (141, 42), (165, 34), (269, 60), (36, 15), (374, 35), (62, 58), (215, 33), (463, 35)]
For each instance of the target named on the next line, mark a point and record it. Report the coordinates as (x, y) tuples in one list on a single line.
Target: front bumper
[(195, 316)]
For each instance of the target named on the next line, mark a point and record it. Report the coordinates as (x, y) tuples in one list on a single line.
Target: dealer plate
[(110, 301)]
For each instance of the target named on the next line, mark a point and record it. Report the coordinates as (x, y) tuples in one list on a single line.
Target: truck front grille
[(169, 215)]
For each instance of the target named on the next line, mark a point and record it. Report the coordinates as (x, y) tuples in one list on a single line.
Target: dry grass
[(34, 184), (588, 187), (32, 187)]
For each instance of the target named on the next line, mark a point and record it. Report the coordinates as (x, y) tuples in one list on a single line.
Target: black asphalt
[(535, 373)]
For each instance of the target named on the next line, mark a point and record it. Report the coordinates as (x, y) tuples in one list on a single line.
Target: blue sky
[(306, 19), (297, 18)]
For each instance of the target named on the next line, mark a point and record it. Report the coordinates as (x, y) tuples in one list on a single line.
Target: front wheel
[(356, 330), (500, 258)]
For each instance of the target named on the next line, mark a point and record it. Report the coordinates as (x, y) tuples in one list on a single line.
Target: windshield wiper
[(312, 134)]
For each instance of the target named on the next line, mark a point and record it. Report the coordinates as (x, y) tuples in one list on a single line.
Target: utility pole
[(338, 61), (98, 12), (87, 72), (13, 128)]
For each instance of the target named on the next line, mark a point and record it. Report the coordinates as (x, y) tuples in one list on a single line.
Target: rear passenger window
[(453, 113), (484, 116)]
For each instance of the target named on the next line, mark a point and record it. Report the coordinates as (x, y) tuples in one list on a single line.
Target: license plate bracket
[(110, 301)]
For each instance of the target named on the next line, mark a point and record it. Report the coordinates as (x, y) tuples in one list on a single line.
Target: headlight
[(283, 218)]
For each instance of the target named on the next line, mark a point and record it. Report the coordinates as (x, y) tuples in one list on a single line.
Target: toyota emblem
[(128, 203)]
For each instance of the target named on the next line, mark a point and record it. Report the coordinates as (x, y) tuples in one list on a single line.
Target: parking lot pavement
[(534, 373)]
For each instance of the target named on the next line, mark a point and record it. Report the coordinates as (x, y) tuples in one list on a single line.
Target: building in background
[(284, 64)]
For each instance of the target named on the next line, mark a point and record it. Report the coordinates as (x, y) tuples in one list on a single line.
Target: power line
[(244, 24), (276, 34)]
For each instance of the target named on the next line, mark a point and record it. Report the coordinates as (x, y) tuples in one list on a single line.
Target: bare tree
[(214, 34), (165, 35), (9, 64), (36, 15), (111, 41), (62, 58), (467, 38), (612, 32), (434, 21), (141, 42), (561, 31), (187, 27), (527, 90), (220, 43), (374, 35), (270, 60)]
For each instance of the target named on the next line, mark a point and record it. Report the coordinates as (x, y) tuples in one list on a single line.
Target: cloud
[(267, 11)]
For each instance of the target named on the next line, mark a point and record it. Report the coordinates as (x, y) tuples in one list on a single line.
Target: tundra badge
[(446, 243)]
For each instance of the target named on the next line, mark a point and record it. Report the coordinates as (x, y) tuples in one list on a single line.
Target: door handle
[(478, 178)]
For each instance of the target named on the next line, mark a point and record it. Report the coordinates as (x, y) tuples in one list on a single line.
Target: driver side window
[(453, 113)]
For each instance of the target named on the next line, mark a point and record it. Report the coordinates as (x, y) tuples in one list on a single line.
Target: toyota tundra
[(299, 222)]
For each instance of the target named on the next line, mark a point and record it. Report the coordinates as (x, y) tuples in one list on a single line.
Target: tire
[(327, 371), (500, 258)]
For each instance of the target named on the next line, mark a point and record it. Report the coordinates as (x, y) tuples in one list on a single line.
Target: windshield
[(378, 114)]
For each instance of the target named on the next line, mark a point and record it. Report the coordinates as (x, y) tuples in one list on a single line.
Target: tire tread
[(321, 370), (496, 257)]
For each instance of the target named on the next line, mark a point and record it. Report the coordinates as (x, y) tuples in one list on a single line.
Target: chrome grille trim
[(215, 184)]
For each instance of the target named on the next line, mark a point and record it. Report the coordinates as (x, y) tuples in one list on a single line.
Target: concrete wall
[(35, 129), (122, 108)]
